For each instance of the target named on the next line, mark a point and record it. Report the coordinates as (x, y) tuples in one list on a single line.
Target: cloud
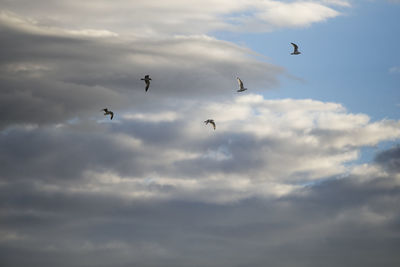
[(155, 186), (342, 3), (275, 14), (76, 76), (310, 227), (394, 69), (61, 56), (178, 16), (390, 159), (32, 26), (158, 187), (262, 148)]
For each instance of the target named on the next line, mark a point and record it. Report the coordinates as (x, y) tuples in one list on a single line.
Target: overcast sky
[(302, 170)]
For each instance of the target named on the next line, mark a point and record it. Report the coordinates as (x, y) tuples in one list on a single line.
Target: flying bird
[(210, 121), (147, 80), (108, 112), (241, 87), (296, 49)]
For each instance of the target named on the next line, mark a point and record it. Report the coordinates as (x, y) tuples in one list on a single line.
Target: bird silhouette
[(296, 49), (241, 87), (147, 80), (211, 122), (108, 112)]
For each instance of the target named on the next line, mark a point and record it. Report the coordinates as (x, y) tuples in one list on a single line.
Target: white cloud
[(155, 18), (10, 236), (275, 14), (156, 117), (30, 25), (394, 69), (28, 69), (342, 3), (261, 148)]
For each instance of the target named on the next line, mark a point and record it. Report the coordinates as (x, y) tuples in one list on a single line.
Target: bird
[(108, 112), (210, 121), (147, 80), (241, 88), (296, 49)]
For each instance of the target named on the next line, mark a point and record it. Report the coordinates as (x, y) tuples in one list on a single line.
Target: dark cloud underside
[(314, 228)]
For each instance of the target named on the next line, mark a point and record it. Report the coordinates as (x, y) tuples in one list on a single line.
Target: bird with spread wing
[(108, 112), (211, 122), (241, 87), (147, 80), (296, 49)]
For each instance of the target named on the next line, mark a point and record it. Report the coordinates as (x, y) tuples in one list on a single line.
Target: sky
[(303, 168)]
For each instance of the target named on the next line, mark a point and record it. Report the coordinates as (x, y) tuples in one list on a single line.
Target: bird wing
[(112, 115), (295, 46), (240, 83), (213, 124)]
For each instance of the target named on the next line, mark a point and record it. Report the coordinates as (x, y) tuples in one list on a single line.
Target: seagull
[(241, 88), (296, 49), (147, 80), (108, 112), (210, 121)]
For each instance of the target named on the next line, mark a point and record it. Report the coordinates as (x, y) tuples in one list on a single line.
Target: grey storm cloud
[(337, 222), (36, 154), (390, 159)]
